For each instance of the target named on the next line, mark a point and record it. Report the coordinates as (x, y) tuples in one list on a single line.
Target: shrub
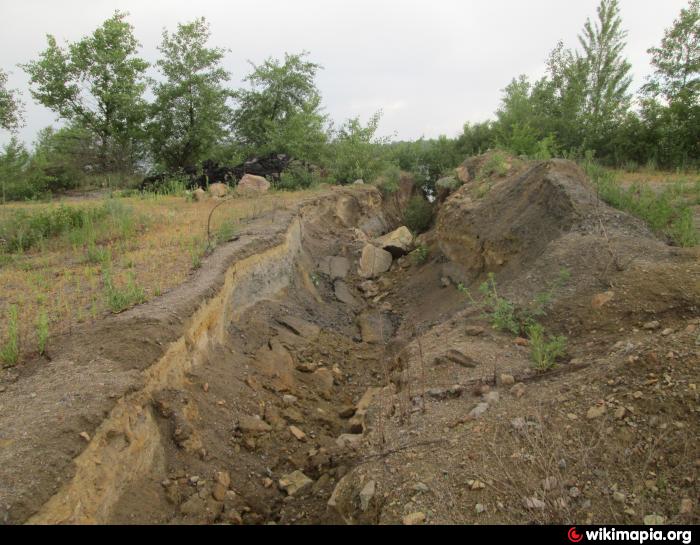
[(495, 165), (297, 176), (9, 352), (418, 215), (420, 254)]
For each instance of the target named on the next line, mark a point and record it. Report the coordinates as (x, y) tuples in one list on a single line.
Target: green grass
[(42, 331), (120, 299), (22, 230), (668, 211), (9, 351)]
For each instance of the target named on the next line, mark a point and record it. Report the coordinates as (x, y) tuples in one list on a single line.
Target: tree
[(677, 60), (97, 83), (356, 152), (11, 107), (605, 74), (281, 112), (190, 114)]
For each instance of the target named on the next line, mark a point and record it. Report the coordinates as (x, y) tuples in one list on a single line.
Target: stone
[(301, 327), (289, 399), (223, 478), (666, 332), (337, 267), (85, 435), (199, 194), (492, 398), (413, 519), (346, 412), (619, 497), (602, 299), (295, 483), (534, 503), (477, 411), (595, 412), (421, 487), (359, 181), (460, 359), (219, 492), (252, 183), (479, 508), (507, 380), (368, 288), (474, 330), (374, 261), (349, 440), (397, 243), (323, 378), (650, 326), (218, 190), (654, 520), (297, 433), (253, 424), (344, 295), (366, 494), (620, 413), (686, 507), (518, 390), (518, 423), (520, 341)]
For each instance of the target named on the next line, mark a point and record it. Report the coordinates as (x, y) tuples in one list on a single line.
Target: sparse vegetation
[(121, 298), (42, 331), (418, 215), (420, 254), (9, 351), (545, 349)]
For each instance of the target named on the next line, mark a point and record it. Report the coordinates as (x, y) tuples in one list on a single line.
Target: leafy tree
[(11, 107), (190, 110), (356, 152), (677, 60), (13, 164), (605, 73), (97, 83), (281, 112)]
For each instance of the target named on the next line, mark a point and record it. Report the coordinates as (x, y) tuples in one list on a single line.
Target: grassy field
[(70, 262)]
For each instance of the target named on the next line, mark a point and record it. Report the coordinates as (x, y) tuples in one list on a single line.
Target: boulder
[(374, 261), (253, 183), (199, 194), (218, 190), (375, 327), (398, 242)]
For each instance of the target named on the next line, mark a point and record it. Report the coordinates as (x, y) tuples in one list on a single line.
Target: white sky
[(430, 65)]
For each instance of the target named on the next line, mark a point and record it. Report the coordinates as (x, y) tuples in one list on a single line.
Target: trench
[(274, 331)]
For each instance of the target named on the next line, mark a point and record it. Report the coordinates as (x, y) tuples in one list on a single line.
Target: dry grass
[(65, 280)]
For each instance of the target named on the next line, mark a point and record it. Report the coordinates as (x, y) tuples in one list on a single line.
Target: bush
[(418, 215), (297, 176)]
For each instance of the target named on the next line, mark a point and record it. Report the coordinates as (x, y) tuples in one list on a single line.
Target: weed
[(420, 254), (495, 165), (9, 352), (42, 331), (121, 299), (197, 251), (545, 349)]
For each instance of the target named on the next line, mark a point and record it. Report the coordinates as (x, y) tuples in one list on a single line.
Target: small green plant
[(495, 165), (197, 251), (545, 349), (121, 299), (418, 215), (9, 352), (420, 254), (42, 331), (97, 255)]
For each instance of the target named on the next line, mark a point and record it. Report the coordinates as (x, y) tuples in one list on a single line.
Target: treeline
[(582, 107)]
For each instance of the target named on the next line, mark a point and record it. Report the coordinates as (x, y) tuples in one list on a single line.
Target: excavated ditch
[(264, 342), (279, 385)]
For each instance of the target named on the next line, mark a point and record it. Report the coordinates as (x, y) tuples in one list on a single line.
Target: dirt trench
[(279, 386)]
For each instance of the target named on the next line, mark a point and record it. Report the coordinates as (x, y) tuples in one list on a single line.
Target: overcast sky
[(430, 65)]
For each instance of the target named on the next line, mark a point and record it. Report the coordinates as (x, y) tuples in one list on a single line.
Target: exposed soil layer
[(278, 385)]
